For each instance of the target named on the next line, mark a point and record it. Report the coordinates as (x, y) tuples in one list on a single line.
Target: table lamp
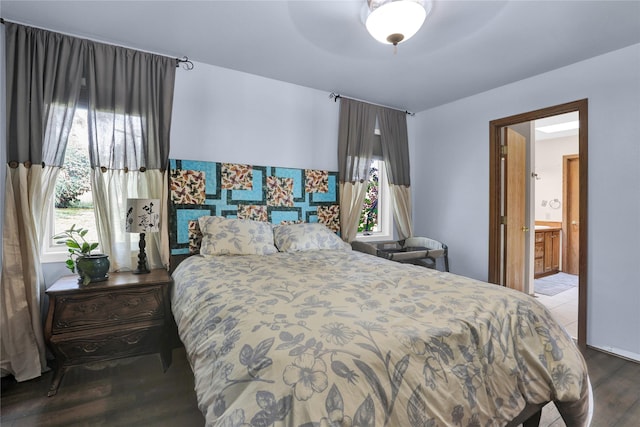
[(143, 216)]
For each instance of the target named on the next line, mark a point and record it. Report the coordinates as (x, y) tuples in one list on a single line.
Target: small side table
[(395, 251), (391, 250), (126, 315)]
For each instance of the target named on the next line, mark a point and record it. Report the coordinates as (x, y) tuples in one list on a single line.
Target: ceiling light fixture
[(395, 21)]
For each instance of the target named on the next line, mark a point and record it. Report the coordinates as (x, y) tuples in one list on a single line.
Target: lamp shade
[(143, 215), (396, 21)]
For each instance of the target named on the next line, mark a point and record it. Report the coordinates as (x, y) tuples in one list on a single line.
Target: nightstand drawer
[(90, 310), (113, 345)]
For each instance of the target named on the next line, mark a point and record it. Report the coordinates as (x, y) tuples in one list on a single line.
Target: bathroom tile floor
[(564, 307)]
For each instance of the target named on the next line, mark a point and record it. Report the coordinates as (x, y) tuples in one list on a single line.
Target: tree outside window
[(369, 215)]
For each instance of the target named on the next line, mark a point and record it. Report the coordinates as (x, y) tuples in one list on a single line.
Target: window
[(72, 202), (376, 218)]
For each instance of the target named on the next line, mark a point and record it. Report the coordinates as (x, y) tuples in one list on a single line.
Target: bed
[(286, 325)]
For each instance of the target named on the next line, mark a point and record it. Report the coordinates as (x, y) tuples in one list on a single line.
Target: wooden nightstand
[(126, 315)]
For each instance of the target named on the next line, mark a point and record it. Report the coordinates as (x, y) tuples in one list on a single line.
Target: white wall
[(451, 185), (548, 166), (229, 116)]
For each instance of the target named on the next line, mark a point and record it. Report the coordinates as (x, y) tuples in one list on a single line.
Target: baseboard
[(623, 354)]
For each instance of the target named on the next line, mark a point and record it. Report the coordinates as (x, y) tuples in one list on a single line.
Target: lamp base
[(142, 258)]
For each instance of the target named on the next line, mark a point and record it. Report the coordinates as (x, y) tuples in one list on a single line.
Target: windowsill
[(373, 237), (53, 257)]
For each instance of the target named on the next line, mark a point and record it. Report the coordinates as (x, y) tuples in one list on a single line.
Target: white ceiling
[(464, 48)]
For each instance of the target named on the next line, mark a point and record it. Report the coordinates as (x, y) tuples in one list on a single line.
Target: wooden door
[(515, 191), (571, 214), (496, 198)]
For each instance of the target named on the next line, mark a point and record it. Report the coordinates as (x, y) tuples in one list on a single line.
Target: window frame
[(50, 250)]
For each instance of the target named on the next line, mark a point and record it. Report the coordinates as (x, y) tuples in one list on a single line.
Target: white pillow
[(226, 236), (307, 237)]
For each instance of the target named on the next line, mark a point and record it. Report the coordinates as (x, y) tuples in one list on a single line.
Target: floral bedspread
[(334, 338)]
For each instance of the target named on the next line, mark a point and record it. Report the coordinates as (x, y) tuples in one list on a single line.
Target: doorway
[(500, 254)]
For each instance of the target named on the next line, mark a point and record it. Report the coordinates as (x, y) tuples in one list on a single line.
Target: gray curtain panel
[(44, 72), (355, 140), (395, 145), (130, 104)]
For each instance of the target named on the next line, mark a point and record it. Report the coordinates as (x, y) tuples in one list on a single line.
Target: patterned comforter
[(334, 338)]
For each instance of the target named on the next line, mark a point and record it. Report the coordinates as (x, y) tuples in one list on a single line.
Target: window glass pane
[(73, 200)]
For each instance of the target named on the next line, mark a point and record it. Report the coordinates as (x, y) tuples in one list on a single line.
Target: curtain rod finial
[(186, 63)]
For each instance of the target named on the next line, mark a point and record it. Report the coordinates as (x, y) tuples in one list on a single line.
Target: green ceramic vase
[(92, 268)]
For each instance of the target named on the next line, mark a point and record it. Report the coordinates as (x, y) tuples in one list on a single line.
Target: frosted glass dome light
[(395, 21)]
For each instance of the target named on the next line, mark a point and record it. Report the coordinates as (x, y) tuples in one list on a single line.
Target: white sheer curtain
[(43, 83), (28, 192), (111, 189)]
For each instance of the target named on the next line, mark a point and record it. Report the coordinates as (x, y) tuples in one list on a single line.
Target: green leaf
[(73, 244)]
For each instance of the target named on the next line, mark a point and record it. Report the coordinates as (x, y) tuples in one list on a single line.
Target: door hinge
[(503, 150), (503, 220)]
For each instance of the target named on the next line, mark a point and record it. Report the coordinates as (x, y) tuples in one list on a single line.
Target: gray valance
[(44, 73), (129, 95), (355, 140), (357, 143), (395, 145)]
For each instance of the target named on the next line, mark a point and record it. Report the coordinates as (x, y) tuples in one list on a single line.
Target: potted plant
[(91, 267)]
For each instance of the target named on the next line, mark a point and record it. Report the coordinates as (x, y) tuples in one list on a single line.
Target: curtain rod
[(186, 63), (335, 97)]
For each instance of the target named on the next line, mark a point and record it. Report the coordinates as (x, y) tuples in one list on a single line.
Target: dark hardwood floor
[(129, 392), (135, 392)]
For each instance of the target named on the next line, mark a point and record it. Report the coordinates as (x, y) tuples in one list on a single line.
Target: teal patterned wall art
[(261, 193)]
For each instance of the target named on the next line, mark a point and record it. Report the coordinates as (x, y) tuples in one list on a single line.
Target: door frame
[(495, 197), (566, 188)]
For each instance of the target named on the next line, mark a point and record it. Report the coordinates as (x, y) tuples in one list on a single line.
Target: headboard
[(262, 193)]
